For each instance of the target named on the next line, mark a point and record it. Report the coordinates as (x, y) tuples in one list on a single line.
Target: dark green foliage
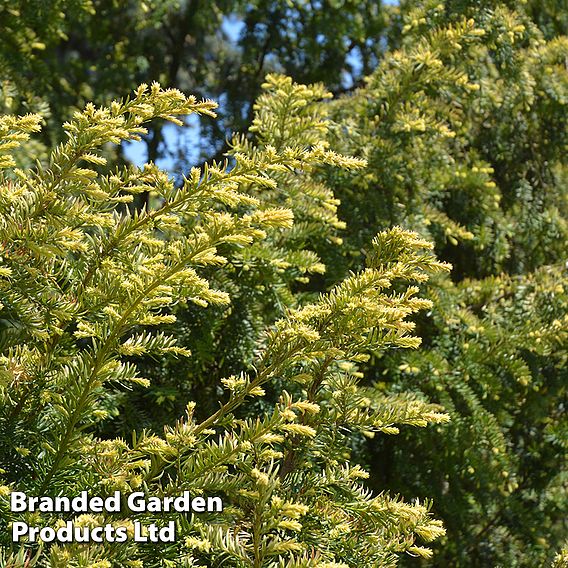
[(497, 360), (465, 132), (464, 129)]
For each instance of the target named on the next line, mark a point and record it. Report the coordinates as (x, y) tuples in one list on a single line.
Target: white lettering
[(121, 534), (47, 534), (96, 534), (18, 502), (182, 504), (154, 505), (96, 505), (214, 504), (32, 533), (136, 502), (66, 533), (168, 533), (138, 533), (80, 504), (82, 534), (198, 504), (59, 505), (19, 529), (168, 503), (112, 504)]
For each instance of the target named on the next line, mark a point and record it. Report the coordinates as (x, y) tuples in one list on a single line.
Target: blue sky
[(176, 137)]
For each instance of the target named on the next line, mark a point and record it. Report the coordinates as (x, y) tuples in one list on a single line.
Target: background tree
[(64, 54)]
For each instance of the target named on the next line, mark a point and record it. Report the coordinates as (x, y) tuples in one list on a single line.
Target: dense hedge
[(268, 327)]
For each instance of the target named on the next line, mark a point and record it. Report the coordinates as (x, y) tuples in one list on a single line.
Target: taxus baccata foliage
[(87, 284), (464, 128), (496, 361), (264, 278)]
